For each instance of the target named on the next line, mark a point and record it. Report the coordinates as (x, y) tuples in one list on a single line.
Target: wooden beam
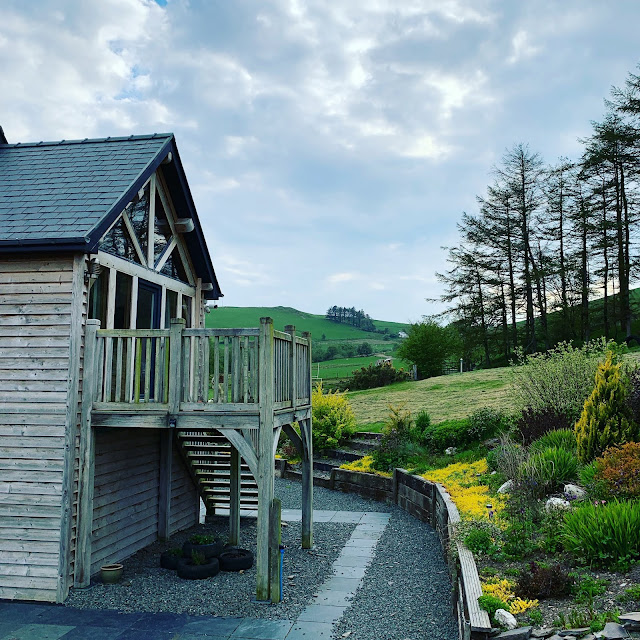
[(175, 365), (265, 461), (234, 498), (152, 222), (134, 239), (307, 484), (275, 537), (164, 485), (87, 461)]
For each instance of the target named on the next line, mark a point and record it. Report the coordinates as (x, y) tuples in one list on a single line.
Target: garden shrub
[(561, 438), (589, 478), (535, 423), (491, 604), (481, 542), (450, 433), (538, 581), (508, 457), (634, 394), (559, 378), (619, 469), (396, 445), (376, 375), (421, 425), (333, 419), (604, 533), (485, 423), (548, 469), (606, 418)]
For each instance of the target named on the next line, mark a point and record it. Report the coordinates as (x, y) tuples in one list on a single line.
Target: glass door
[(148, 317)]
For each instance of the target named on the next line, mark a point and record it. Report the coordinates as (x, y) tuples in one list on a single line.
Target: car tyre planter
[(235, 559), (212, 550), (169, 560), (189, 571)]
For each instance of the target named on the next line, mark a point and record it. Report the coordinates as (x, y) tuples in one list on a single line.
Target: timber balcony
[(185, 377)]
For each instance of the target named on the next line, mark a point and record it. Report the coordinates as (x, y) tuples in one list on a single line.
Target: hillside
[(316, 324)]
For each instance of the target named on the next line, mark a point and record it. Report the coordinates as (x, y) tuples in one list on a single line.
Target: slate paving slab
[(252, 629), (310, 631)]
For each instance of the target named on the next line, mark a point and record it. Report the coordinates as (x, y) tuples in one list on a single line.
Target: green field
[(344, 367), (316, 324), (445, 397)]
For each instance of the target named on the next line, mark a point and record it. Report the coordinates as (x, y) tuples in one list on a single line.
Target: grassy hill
[(316, 324), (444, 397)]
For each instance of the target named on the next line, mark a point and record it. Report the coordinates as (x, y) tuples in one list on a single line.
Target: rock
[(505, 619), (557, 503), (451, 451), (555, 636), (506, 487), (614, 631), (574, 492), (492, 443), (523, 633), (545, 632), (589, 636), (574, 633), (631, 621)]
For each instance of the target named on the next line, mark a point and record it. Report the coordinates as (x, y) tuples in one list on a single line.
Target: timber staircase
[(208, 454)]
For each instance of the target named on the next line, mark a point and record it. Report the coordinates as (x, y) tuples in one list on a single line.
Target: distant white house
[(403, 334)]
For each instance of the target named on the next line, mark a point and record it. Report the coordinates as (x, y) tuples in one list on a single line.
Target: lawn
[(344, 367), (445, 397)]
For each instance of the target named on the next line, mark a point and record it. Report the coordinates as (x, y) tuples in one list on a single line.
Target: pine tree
[(606, 418)]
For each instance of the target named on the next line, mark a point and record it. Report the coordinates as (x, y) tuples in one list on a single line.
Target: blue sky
[(331, 147)]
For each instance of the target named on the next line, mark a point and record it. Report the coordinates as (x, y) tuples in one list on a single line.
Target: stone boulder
[(507, 487), (505, 619), (557, 503), (574, 492)]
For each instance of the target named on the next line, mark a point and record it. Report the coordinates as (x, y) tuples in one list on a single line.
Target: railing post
[(306, 434), (307, 336), (82, 574), (265, 455), (175, 365), (291, 330)]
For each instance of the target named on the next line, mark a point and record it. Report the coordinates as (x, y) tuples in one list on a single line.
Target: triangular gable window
[(138, 212), (118, 242), (174, 268), (162, 232)]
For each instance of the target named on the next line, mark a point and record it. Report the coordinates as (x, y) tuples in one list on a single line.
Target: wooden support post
[(234, 498), (175, 365), (265, 456), (82, 573), (164, 493), (307, 484), (293, 365), (275, 537)]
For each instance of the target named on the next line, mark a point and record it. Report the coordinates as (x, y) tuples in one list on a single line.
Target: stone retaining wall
[(429, 502)]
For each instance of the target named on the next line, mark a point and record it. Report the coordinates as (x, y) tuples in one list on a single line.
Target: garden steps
[(208, 455)]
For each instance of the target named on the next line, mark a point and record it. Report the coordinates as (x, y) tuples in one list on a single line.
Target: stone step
[(344, 454), (368, 435)]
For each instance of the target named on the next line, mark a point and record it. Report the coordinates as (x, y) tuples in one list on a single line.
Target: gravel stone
[(406, 592)]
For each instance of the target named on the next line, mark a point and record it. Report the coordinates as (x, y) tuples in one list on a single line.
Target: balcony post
[(265, 455), (82, 574), (293, 365), (175, 381)]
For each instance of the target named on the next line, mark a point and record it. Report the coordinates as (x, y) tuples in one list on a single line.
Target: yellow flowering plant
[(364, 465), (503, 589)]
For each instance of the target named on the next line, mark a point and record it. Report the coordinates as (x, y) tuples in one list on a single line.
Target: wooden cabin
[(114, 395)]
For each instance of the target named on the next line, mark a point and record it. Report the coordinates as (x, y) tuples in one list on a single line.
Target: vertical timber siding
[(125, 499), (185, 499), (35, 326)]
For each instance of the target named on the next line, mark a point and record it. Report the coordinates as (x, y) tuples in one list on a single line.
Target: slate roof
[(60, 191), (63, 196)]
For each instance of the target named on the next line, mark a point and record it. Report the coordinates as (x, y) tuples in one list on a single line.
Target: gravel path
[(405, 594)]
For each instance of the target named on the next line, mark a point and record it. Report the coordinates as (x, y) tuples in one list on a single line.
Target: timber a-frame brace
[(244, 384)]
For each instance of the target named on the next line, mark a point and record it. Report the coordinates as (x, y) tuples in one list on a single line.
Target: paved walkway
[(24, 621)]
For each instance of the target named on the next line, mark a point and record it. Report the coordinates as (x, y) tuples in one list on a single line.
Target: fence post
[(175, 365), (87, 458), (265, 455)]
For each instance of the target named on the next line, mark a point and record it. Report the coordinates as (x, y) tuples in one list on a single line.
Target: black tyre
[(236, 560), (212, 550), (190, 571), (169, 560)]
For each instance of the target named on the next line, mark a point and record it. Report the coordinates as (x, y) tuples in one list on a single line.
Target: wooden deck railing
[(182, 369)]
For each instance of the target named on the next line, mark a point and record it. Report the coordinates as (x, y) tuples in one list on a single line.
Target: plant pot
[(235, 559), (212, 550), (169, 560), (190, 571), (111, 573)]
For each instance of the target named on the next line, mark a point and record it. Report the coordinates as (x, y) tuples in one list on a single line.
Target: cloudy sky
[(330, 146)]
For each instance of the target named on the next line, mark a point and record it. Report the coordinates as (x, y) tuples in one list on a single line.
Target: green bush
[(604, 534), (589, 477), (421, 425), (491, 604), (561, 438), (561, 378), (376, 375), (549, 469), (451, 433), (485, 423), (333, 419), (482, 541), (606, 418), (396, 445)]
